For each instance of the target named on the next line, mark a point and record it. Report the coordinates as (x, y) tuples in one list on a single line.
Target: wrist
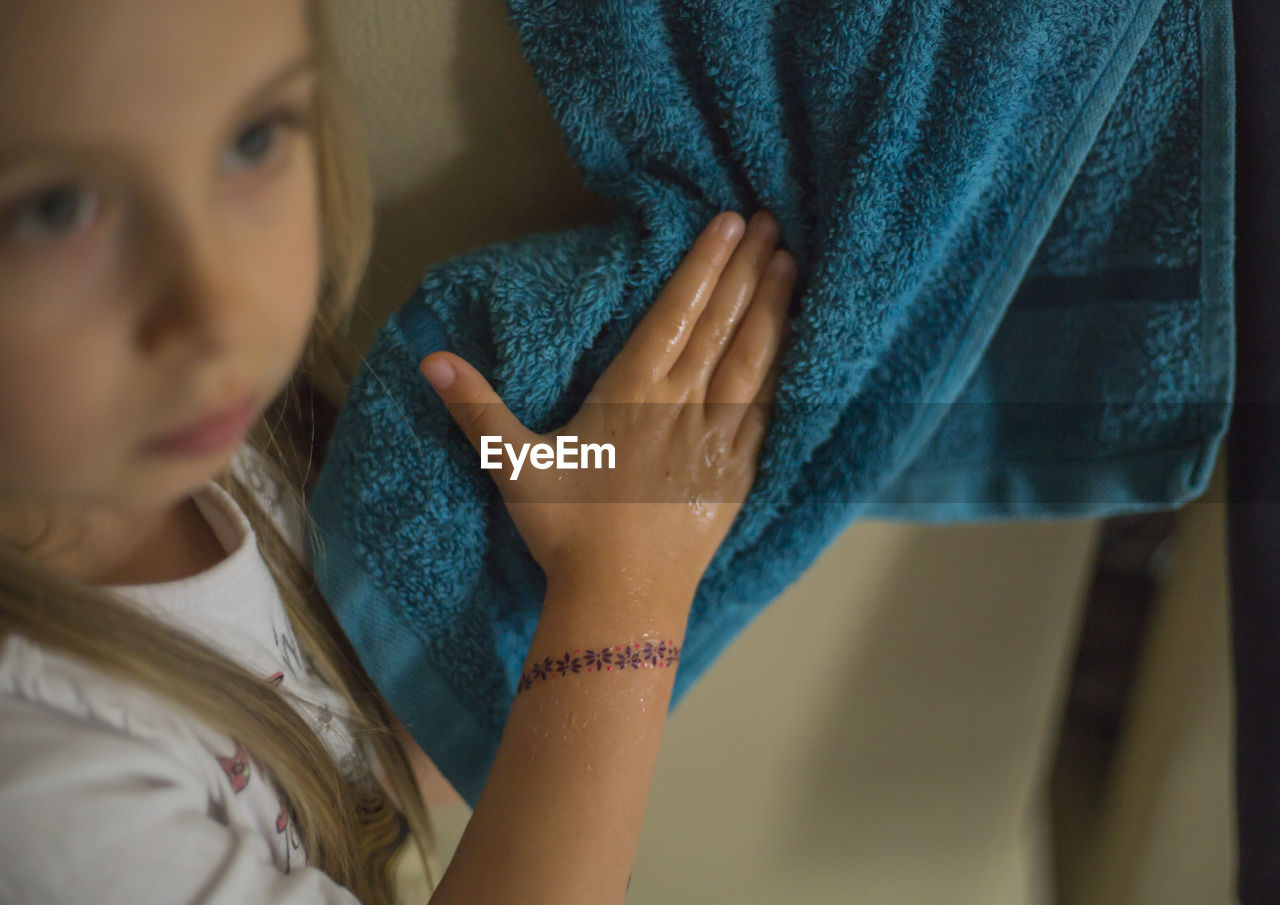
[(621, 579), (618, 599)]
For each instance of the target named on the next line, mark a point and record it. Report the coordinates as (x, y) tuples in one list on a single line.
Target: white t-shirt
[(111, 795)]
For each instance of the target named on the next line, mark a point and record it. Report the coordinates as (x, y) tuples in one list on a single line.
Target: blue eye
[(52, 214), (256, 142), (265, 139)]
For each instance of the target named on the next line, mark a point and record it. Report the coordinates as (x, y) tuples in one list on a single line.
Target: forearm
[(560, 815)]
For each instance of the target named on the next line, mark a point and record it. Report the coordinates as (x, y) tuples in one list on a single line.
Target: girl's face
[(159, 237)]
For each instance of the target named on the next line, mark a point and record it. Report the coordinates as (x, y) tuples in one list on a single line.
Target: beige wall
[(465, 151), (1164, 830), (879, 734)]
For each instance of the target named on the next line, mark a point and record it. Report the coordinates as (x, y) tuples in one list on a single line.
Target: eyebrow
[(307, 64)]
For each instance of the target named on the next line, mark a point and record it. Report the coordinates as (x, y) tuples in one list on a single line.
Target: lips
[(216, 432)]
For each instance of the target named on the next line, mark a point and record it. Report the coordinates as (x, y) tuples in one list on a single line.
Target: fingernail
[(782, 266), (772, 228), (439, 373), (729, 227)]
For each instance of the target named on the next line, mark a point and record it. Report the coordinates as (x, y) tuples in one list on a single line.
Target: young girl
[(184, 219)]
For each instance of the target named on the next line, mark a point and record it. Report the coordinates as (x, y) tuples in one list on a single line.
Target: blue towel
[(1013, 224)]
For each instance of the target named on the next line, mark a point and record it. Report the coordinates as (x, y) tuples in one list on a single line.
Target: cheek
[(287, 270), (60, 415)]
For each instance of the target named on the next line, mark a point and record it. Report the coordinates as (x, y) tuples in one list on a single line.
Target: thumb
[(471, 401)]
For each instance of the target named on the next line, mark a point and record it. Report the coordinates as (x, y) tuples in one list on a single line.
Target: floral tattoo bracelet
[(637, 655)]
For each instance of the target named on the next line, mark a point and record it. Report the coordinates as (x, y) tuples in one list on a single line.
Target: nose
[(196, 297)]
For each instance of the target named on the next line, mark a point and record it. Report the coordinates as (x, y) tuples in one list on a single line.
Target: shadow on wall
[(950, 694), (465, 151)]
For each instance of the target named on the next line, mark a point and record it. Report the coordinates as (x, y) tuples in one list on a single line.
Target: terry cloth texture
[(1013, 224)]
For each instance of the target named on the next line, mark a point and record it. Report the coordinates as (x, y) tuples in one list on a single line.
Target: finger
[(741, 371), (472, 403), (729, 301), (769, 387), (754, 417), (658, 339)]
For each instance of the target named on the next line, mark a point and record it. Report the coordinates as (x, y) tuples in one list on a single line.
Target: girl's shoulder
[(105, 791), (86, 757), (46, 695)]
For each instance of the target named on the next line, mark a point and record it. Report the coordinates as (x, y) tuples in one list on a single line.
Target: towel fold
[(1013, 225)]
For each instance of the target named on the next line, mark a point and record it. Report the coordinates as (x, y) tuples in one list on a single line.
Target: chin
[(173, 481)]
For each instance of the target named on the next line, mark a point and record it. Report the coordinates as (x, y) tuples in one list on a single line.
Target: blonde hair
[(352, 833)]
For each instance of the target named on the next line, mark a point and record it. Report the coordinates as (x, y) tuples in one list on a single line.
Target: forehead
[(112, 71)]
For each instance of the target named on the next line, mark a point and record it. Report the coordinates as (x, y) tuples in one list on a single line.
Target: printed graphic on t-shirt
[(353, 763), (292, 841), (290, 653), (237, 768)]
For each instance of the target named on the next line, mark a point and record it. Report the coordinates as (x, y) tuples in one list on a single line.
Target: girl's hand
[(684, 405)]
